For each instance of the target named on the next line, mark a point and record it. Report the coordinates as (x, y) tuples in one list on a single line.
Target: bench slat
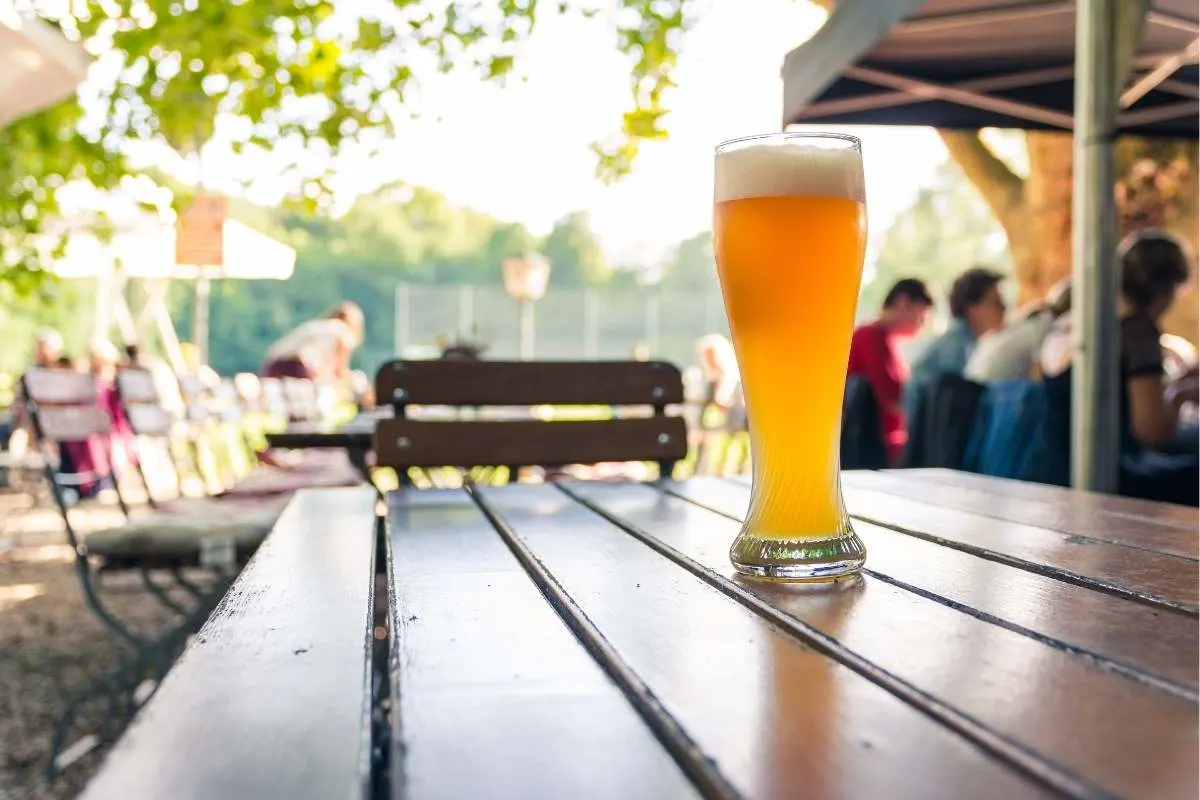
[(528, 383), (272, 698), (496, 697), (1085, 728), (778, 718), (1062, 517), (1126, 635), (1162, 580), (1162, 513)]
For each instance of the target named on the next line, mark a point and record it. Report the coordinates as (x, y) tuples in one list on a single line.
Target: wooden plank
[(415, 443), (496, 697), (527, 383), (272, 698), (1087, 730), (1162, 580), (778, 719), (72, 423), (1131, 638), (1161, 513), (1098, 525), (59, 386), (137, 386)]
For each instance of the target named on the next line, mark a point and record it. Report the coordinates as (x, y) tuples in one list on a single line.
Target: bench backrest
[(402, 442), (62, 405)]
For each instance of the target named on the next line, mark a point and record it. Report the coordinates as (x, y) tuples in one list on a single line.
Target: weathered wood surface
[(497, 698), (1130, 530), (272, 698), (591, 639)]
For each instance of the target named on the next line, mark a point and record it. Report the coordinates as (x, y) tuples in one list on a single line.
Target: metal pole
[(466, 311), (1095, 436), (525, 330), (652, 321), (401, 326), (591, 320), (200, 319)]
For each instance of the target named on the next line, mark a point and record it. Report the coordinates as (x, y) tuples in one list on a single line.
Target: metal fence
[(591, 323)]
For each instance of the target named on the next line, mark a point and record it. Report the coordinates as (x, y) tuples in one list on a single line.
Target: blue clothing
[(947, 354)]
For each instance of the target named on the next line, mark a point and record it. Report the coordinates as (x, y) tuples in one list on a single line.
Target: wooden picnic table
[(592, 640)]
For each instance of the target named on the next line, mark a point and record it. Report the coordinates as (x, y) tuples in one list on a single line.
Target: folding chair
[(62, 407)]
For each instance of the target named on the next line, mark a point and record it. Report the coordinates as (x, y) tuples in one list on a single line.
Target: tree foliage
[(947, 229), (321, 76)]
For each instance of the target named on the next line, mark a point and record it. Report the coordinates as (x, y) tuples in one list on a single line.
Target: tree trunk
[(1157, 187)]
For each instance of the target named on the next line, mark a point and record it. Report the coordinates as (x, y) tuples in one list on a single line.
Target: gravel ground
[(52, 646)]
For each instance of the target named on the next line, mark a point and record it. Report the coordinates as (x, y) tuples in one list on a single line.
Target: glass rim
[(854, 142)]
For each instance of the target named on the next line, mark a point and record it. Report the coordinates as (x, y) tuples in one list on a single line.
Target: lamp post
[(525, 279)]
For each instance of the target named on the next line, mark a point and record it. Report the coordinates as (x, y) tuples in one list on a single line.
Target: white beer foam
[(788, 168)]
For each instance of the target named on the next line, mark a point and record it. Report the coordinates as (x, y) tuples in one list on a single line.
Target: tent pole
[(1095, 433)]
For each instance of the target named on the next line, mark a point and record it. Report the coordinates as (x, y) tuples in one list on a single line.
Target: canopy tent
[(142, 246), (1095, 67), (973, 64), (38, 65)]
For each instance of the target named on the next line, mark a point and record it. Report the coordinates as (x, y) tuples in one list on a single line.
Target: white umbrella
[(38, 65)]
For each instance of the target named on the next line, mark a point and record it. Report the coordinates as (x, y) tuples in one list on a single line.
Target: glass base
[(808, 559)]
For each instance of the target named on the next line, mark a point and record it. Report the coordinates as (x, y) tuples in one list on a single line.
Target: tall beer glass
[(789, 231)]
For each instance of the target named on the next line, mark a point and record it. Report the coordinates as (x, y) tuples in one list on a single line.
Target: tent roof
[(38, 65), (145, 248), (983, 63)]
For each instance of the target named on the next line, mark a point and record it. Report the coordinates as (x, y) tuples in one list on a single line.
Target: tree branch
[(1000, 187)]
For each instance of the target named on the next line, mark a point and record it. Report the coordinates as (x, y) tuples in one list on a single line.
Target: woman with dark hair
[(319, 349), (1154, 265)]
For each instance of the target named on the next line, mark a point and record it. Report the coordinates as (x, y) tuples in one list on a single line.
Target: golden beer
[(789, 233)]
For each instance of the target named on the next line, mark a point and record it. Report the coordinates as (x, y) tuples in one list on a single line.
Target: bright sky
[(521, 151)]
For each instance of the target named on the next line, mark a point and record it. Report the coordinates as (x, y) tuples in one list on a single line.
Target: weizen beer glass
[(789, 231)]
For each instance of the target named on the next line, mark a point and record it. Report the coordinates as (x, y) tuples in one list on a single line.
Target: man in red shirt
[(873, 356)]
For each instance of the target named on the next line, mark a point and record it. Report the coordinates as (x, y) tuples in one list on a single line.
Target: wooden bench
[(514, 443), (273, 697)]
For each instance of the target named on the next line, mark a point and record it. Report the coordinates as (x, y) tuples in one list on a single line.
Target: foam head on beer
[(788, 168)]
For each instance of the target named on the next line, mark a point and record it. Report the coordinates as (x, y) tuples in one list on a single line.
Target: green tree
[(574, 253), (691, 266), (947, 229), (321, 75)]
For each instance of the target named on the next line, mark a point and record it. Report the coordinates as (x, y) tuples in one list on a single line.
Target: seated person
[(1012, 353), (875, 358), (976, 308), (1154, 265)]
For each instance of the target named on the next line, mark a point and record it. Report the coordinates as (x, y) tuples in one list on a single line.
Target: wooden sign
[(199, 239)]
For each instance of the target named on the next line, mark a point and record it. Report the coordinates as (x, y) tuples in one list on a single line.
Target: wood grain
[(137, 386), (271, 699), (779, 719), (59, 386), (496, 697), (1083, 728), (1161, 580), (414, 443), (526, 383), (72, 423), (1060, 516), (1134, 639), (1162, 513)]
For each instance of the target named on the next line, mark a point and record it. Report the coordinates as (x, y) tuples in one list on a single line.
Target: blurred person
[(976, 308), (103, 359), (1159, 458), (1012, 353), (320, 349), (874, 355), (718, 363), (47, 348)]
